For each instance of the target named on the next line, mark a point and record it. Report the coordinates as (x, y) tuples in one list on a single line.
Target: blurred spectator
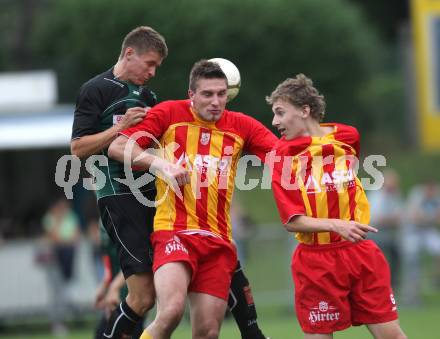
[(386, 215), (93, 230), (422, 234), (242, 229), (62, 232)]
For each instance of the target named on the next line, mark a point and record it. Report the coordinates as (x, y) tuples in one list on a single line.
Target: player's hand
[(174, 174), (132, 117), (177, 174), (100, 297), (112, 300), (351, 230)]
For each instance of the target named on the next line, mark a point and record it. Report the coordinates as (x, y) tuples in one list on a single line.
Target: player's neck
[(118, 70), (314, 129)]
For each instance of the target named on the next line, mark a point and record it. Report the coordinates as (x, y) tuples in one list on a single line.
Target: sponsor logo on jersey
[(174, 245), (331, 181), (203, 162), (323, 313), (117, 118)]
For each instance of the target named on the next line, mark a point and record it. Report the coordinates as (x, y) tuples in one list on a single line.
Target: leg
[(127, 223), (318, 336), (207, 314), (141, 294), (388, 330), (100, 327), (130, 312), (139, 329), (171, 281), (241, 304)]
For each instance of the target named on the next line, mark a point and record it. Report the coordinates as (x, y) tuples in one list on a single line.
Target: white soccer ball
[(232, 74)]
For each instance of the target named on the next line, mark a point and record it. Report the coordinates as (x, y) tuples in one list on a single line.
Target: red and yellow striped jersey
[(211, 151), (317, 177)]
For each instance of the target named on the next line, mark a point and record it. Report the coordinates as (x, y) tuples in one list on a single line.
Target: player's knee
[(396, 333), (146, 303), (207, 330), (212, 334), (207, 333), (169, 316), (141, 303), (393, 336), (400, 335)]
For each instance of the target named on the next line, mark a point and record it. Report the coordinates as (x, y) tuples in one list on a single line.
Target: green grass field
[(417, 323), (268, 271)]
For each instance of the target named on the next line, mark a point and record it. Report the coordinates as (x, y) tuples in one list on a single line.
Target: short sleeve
[(260, 140), (286, 193), (152, 126), (350, 136), (88, 108)]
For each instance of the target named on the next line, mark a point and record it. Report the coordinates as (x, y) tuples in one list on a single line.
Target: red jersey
[(211, 151), (317, 178)]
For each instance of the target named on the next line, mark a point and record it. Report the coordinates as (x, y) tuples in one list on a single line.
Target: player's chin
[(141, 81), (214, 116), (290, 136)]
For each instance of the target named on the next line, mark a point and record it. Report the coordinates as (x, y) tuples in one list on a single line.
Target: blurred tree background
[(352, 49), (348, 47)]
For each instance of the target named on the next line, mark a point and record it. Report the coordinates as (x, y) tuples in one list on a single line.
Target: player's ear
[(305, 109), (129, 51), (190, 95)]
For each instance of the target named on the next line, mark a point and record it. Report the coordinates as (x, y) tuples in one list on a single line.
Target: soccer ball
[(232, 74)]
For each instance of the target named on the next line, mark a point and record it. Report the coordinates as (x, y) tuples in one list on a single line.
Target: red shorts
[(212, 260), (341, 284)]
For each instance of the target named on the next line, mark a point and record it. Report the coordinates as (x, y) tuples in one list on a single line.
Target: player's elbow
[(116, 148), (76, 149), (292, 224), (73, 149), (289, 227)]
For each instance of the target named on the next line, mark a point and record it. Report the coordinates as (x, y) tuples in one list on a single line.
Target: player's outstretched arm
[(113, 296), (349, 230), (124, 149), (93, 144), (88, 145)]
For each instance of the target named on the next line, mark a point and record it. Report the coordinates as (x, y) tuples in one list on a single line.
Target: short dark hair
[(145, 39), (299, 91), (205, 69)]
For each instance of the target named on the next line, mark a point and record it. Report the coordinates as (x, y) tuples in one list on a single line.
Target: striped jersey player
[(341, 278), (201, 143)]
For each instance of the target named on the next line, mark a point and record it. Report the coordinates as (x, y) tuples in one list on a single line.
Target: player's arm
[(93, 144), (349, 230), (260, 140), (101, 291), (113, 296), (137, 157), (124, 148), (88, 145)]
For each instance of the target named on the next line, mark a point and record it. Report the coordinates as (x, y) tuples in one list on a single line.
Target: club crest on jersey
[(204, 138), (117, 118)]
